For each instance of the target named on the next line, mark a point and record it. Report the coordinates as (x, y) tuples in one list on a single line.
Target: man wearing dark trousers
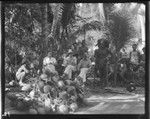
[(101, 55)]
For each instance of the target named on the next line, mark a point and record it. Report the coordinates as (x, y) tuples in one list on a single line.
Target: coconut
[(63, 109), (71, 90), (73, 98), (46, 89), (32, 94), (63, 95), (47, 103), (26, 87), (40, 84), (33, 111), (43, 76), (81, 96), (41, 110), (61, 84), (68, 82), (73, 107), (20, 105), (55, 78)]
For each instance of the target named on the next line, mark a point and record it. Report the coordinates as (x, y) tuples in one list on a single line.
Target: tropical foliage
[(53, 27)]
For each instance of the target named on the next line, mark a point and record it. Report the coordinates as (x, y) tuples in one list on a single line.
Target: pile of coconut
[(48, 93)]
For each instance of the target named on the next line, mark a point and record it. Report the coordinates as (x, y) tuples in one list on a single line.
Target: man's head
[(134, 46), (49, 54)]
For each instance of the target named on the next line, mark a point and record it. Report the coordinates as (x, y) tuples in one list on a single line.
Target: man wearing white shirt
[(49, 63), (70, 65)]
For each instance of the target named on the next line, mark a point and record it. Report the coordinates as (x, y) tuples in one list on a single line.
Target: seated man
[(22, 71), (49, 63), (83, 66), (70, 65)]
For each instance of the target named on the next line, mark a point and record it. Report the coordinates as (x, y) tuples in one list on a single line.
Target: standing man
[(101, 56), (134, 57)]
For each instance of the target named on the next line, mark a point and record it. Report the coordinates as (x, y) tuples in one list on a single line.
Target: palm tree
[(63, 15), (122, 29)]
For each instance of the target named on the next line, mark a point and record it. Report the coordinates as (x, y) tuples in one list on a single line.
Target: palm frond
[(93, 25), (122, 29), (57, 18)]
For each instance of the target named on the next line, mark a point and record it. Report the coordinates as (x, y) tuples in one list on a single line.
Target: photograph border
[(100, 116)]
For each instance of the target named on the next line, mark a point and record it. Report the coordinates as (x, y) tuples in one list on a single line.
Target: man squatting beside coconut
[(22, 71)]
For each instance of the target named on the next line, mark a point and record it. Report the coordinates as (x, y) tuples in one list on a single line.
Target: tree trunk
[(44, 42)]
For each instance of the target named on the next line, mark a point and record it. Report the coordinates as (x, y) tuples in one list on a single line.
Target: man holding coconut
[(49, 63)]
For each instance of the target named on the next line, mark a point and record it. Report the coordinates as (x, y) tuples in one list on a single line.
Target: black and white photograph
[(74, 58)]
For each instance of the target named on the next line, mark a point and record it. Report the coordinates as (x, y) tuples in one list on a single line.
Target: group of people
[(77, 60), (71, 62)]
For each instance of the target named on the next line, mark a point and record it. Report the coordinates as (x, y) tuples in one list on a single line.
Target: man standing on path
[(101, 56)]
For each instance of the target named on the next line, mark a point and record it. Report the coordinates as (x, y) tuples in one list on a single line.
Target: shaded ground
[(106, 102)]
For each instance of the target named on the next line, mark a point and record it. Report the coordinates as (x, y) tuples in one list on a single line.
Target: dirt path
[(118, 104)]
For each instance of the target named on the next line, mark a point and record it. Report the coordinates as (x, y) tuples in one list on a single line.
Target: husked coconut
[(63, 109), (73, 107), (43, 76), (41, 110), (47, 89), (33, 111)]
